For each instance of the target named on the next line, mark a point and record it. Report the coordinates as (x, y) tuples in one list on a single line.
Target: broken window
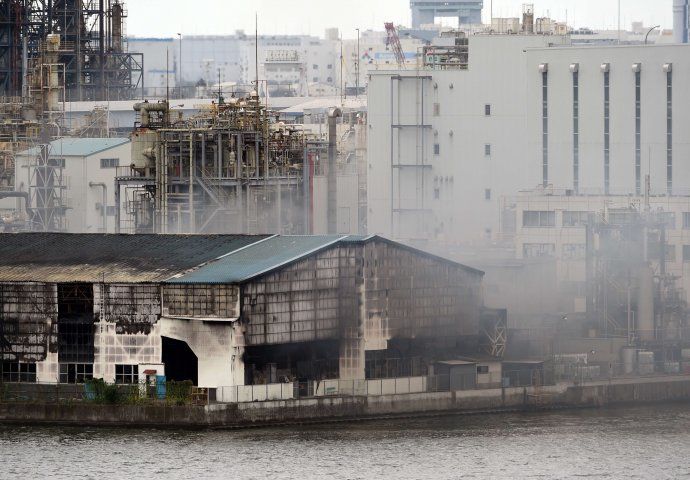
[(75, 323), (17, 372), (75, 372)]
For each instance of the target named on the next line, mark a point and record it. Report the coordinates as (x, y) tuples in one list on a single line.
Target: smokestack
[(680, 21), (333, 114)]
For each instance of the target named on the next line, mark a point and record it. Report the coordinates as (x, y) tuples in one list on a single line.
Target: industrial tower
[(93, 47)]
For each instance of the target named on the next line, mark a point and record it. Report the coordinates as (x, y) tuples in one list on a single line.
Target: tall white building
[(447, 143)]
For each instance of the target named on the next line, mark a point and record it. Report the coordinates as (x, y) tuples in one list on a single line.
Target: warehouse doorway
[(180, 361)]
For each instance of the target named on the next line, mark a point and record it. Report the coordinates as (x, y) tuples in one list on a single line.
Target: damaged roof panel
[(113, 258), (258, 259)]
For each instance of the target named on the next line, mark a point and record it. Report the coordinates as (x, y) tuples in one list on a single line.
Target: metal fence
[(379, 386)]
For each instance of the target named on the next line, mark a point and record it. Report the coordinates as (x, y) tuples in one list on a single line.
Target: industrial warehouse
[(229, 310)]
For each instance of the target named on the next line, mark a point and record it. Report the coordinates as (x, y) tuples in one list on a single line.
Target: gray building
[(230, 310)]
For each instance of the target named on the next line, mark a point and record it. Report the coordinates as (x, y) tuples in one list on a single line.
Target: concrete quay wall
[(331, 409)]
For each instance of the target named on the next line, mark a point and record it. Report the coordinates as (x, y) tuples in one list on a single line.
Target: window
[(670, 253), (126, 374), (315, 67), (437, 149), (545, 127), (75, 372), (534, 250), (17, 372), (487, 194), (607, 131), (316, 79), (686, 253), (638, 133), (576, 130), (437, 193), (574, 251), (487, 149), (110, 211), (56, 162), (669, 132), (482, 369), (575, 219), (437, 109), (487, 110), (535, 218), (110, 162), (329, 66)]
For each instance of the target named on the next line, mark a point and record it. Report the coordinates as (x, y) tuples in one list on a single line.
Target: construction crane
[(394, 43)]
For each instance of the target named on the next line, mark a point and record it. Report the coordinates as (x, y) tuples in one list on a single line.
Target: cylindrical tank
[(628, 355), (645, 304), (680, 21), (143, 150)]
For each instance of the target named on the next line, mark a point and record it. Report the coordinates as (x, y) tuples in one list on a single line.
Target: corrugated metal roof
[(257, 259), (63, 257), (77, 147)]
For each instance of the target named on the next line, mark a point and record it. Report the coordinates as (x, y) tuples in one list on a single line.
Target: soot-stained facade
[(228, 310)]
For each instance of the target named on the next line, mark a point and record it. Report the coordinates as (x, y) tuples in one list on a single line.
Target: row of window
[(105, 162), (69, 372), (547, 218), (577, 251)]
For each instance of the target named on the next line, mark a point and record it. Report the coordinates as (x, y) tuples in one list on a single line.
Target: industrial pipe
[(333, 114), (104, 208), (145, 107)]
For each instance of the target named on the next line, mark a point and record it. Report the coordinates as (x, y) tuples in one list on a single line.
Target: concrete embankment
[(328, 409)]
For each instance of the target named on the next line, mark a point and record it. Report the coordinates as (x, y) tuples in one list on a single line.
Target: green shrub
[(102, 392), (179, 393)]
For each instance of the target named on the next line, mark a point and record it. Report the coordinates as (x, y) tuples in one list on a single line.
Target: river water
[(636, 443)]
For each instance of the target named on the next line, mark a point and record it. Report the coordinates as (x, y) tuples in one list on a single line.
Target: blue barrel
[(161, 387)]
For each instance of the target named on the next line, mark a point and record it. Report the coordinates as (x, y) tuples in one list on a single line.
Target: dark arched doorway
[(180, 361)]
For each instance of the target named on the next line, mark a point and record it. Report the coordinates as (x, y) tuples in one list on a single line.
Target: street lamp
[(180, 83), (357, 67), (650, 31)]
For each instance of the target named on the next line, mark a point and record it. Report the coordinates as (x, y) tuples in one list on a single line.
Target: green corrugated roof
[(78, 147), (258, 258)]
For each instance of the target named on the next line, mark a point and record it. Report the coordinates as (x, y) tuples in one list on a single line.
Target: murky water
[(637, 443)]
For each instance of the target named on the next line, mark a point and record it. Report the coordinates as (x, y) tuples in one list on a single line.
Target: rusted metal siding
[(408, 295), (28, 321), (201, 301), (313, 299)]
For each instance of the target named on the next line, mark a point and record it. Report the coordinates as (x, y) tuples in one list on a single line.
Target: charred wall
[(201, 301), (411, 295), (314, 299), (28, 321)]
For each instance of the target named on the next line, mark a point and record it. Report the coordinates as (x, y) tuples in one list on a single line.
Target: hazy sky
[(217, 17)]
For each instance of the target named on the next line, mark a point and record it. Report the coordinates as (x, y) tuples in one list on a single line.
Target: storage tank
[(144, 151), (628, 356)]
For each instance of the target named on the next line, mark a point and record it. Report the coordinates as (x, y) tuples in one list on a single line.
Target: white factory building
[(448, 144), (73, 188)]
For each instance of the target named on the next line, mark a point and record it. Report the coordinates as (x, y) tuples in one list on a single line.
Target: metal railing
[(381, 386)]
